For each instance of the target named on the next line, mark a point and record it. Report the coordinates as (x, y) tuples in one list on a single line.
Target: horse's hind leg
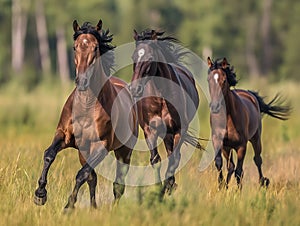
[(123, 156), (58, 144), (256, 143)]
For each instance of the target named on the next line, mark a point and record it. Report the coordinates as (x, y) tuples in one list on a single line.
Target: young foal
[(93, 113), (235, 119)]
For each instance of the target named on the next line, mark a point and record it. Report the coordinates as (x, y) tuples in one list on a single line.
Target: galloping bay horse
[(92, 114), (235, 118), (166, 96)]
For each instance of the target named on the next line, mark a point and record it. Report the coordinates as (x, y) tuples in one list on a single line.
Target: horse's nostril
[(138, 89), (85, 82), (215, 107)]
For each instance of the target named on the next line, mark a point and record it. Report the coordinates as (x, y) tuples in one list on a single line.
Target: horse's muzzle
[(82, 84), (215, 107)]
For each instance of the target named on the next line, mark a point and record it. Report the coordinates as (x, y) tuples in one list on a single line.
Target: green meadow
[(27, 124)]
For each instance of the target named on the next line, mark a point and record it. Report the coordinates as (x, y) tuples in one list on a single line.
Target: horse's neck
[(99, 89), (100, 84), (165, 71), (231, 101)]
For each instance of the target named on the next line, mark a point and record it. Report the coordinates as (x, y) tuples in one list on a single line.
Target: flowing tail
[(274, 108), (194, 141)]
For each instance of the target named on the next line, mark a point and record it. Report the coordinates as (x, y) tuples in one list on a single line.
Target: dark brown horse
[(235, 119), (92, 115), (167, 98)]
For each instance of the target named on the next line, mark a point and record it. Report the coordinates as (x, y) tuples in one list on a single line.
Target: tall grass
[(27, 124)]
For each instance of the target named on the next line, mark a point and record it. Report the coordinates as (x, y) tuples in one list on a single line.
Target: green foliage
[(227, 28), (290, 67)]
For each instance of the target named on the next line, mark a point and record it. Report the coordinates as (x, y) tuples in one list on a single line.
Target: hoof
[(222, 186), (68, 210), (170, 188), (264, 182), (40, 200)]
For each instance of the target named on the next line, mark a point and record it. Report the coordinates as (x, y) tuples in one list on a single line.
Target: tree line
[(259, 37)]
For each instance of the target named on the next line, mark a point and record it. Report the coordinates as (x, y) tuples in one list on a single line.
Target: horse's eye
[(74, 48)]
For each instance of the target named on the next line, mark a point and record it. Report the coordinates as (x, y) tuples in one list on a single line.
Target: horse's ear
[(135, 35), (153, 35), (99, 25), (75, 26), (160, 33), (224, 63), (209, 62)]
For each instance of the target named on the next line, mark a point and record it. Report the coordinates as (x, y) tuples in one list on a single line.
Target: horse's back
[(117, 82), (246, 95), (188, 83)]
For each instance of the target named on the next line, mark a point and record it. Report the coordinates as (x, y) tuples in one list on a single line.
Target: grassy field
[(27, 125)]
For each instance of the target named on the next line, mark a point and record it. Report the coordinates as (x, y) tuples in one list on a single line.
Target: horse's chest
[(84, 125), (232, 135), (158, 108)]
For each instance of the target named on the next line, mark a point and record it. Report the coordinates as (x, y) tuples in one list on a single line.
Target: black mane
[(104, 40), (229, 71), (168, 44)]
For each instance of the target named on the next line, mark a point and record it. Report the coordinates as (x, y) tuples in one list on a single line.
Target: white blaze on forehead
[(141, 53), (85, 41), (216, 77)]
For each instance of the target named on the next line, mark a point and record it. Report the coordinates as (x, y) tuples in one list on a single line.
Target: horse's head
[(218, 83), (86, 51), (89, 44), (145, 59)]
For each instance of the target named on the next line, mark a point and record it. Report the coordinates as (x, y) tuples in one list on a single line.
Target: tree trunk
[(251, 60), (62, 56), (266, 40), (42, 35), (18, 29)]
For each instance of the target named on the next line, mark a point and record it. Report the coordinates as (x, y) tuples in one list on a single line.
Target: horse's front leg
[(227, 152), (57, 145), (151, 140), (219, 165), (218, 145), (239, 173), (92, 180), (97, 154), (173, 144)]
